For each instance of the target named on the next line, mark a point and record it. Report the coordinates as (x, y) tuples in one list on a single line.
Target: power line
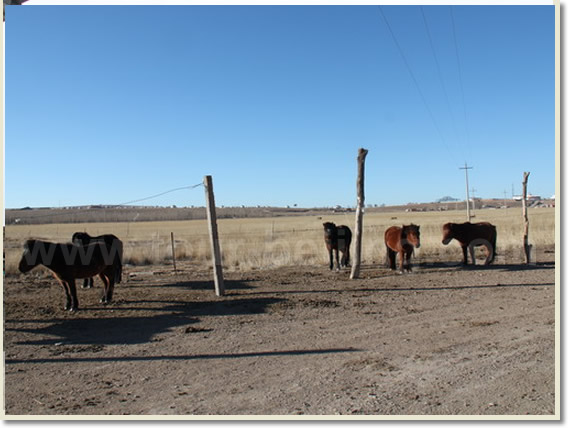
[(438, 69), (160, 194), (416, 83), (117, 205), (460, 77)]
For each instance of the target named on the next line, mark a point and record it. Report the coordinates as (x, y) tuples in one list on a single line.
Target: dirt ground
[(443, 340)]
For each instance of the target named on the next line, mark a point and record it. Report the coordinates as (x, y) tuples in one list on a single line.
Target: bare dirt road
[(290, 341)]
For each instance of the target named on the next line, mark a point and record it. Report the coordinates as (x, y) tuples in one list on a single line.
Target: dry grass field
[(260, 243)]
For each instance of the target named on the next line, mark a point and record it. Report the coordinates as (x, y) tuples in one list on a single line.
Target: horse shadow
[(133, 330), (511, 267)]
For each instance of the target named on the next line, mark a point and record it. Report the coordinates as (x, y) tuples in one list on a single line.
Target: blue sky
[(108, 104)]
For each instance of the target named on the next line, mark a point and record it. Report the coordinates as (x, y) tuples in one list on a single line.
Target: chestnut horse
[(114, 245), (471, 235), (337, 238), (68, 262), (401, 240)]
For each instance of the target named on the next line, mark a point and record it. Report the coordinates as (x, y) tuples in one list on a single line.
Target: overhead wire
[(118, 205), (466, 124), (413, 77), (440, 76)]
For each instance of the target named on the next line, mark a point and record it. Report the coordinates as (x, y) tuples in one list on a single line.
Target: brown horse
[(471, 235), (69, 262), (401, 240), (337, 238), (114, 245)]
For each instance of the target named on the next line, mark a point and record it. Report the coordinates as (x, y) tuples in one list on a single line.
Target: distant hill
[(447, 199)]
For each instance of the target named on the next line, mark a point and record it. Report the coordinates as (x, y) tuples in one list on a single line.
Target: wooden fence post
[(173, 253), (355, 268), (526, 245), (214, 236)]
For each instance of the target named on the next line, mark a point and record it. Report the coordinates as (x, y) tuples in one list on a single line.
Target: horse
[(68, 262), (471, 235), (337, 238), (112, 242), (401, 240)]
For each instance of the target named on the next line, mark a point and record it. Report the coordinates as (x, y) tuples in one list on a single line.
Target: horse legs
[(106, 284), (490, 254), (330, 258), (345, 257), (464, 249), (391, 258), (87, 283), (408, 267), (401, 255), (110, 289), (67, 294), (73, 292), (337, 259), (108, 281), (472, 253)]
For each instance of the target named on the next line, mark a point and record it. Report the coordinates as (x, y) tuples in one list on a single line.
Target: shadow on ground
[(142, 329), (184, 357)]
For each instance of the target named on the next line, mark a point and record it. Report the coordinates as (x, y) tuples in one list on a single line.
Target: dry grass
[(268, 242)]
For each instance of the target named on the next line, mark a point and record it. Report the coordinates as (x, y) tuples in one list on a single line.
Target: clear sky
[(108, 104)]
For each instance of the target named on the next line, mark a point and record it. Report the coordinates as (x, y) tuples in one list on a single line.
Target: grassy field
[(255, 243)]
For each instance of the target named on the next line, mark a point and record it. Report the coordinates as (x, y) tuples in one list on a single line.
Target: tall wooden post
[(526, 245), (355, 268), (214, 236)]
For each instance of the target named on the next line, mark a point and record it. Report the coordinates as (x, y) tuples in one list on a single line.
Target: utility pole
[(473, 190), (465, 167), (505, 198)]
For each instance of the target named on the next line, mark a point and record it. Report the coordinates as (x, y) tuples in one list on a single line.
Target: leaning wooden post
[(526, 245), (214, 236), (355, 268)]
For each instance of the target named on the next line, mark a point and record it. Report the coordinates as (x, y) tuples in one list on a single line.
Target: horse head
[(448, 233), (29, 259), (81, 238), (329, 230), (412, 234)]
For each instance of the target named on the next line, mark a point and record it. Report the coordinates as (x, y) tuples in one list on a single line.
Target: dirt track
[(290, 341)]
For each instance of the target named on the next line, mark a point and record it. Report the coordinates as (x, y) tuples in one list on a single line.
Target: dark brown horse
[(471, 235), (337, 238), (69, 262), (113, 244), (401, 240)]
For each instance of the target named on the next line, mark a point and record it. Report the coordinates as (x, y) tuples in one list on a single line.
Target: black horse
[(337, 238), (69, 262), (113, 245)]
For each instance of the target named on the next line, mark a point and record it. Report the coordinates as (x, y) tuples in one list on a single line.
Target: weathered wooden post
[(214, 236), (355, 268), (174, 253), (526, 245)]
